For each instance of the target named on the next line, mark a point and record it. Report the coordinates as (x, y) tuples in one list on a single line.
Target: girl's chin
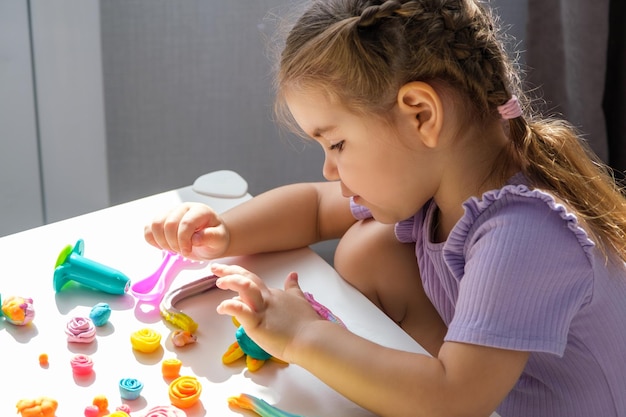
[(384, 218)]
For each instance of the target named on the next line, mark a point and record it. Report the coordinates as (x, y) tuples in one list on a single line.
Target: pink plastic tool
[(153, 287)]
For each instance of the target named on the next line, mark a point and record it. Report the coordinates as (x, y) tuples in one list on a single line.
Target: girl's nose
[(329, 170)]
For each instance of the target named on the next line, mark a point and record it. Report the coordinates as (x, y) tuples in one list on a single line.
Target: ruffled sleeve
[(524, 267)]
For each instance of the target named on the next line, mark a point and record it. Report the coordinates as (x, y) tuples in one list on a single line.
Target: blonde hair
[(362, 51)]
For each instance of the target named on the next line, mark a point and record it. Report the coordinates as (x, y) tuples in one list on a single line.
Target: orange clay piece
[(40, 407), (101, 402), (170, 368), (145, 340), (43, 359), (185, 391)]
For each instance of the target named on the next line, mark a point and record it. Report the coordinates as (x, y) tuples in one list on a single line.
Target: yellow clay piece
[(233, 353), (145, 340), (252, 364)]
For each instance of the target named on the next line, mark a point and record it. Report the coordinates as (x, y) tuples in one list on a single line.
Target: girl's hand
[(273, 318), (193, 230)]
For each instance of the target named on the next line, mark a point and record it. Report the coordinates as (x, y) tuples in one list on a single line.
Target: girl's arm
[(287, 217), (463, 380)]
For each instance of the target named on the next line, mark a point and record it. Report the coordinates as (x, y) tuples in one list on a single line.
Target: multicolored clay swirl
[(18, 310), (259, 406)]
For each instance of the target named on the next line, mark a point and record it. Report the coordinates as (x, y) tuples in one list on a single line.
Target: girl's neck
[(470, 172)]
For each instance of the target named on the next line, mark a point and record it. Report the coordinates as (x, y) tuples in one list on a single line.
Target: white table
[(114, 237)]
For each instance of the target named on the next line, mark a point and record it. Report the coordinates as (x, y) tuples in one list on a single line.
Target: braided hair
[(360, 52), (374, 47)]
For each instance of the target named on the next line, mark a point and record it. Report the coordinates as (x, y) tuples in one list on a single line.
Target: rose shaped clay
[(80, 330)]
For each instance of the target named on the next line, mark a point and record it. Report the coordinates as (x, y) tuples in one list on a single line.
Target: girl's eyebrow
[(320, 131)]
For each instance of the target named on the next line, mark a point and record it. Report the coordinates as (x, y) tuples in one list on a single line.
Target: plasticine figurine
[(18, 310), (244, 346), (255, 355)]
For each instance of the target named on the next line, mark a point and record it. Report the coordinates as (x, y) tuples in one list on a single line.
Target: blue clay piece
[(100, 314), (249, 347), (130, 388)]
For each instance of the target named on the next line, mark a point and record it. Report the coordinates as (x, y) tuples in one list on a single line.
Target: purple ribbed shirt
[(518, 272)]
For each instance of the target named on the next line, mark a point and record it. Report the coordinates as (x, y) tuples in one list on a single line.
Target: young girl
[(519, 289)]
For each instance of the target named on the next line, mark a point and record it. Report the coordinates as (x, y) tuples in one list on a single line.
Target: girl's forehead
[(313, 107)]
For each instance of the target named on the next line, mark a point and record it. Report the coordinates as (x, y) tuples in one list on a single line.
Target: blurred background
[(103, 102)]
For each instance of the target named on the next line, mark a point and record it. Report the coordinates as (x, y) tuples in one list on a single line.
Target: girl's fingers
[(291, 282), (171, 227), (249, 287), (235, 307)]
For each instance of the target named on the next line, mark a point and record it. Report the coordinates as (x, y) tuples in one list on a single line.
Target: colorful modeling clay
[(145, 340), (124, 407), (72, 266), (43, 360), (118, 413), (81, 364), (170, 368), (40, 407), (130, 388), (100, 314), (255, 355), (91, 411), (181, 338), (322, 310), (153, 287), (185, 391), (165, 411), (177, 317), (80, 330), (244, 346), (18, 310), (260, 407), (101, 402)]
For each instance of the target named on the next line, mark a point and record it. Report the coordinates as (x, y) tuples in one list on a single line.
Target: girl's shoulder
[(519, 207)]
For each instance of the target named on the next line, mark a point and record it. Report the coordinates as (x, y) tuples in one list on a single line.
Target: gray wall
[(188, 90), (52, 134)]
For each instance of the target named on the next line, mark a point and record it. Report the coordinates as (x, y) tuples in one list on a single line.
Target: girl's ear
[(420, 102)]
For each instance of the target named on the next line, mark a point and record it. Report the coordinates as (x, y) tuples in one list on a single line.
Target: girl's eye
[(337, 146)]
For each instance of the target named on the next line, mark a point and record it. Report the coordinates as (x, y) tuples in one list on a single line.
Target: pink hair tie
[(511, 109)]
